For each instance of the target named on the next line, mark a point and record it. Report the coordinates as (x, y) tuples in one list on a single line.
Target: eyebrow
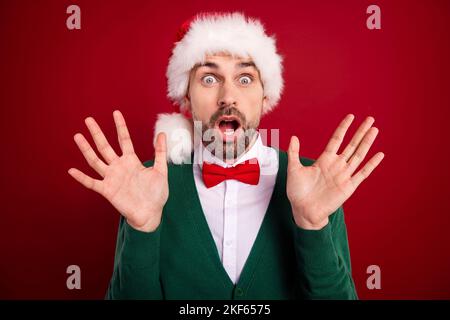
[(213, 65)]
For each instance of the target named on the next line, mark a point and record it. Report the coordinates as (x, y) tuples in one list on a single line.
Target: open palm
[(137, 192), (316, 191)]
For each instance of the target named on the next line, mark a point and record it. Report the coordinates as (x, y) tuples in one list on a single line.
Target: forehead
[(222, 56), (224, 60)]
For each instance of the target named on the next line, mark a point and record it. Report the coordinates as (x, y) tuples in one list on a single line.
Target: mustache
[(228, 111)]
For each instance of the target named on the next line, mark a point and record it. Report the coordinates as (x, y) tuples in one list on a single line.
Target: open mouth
[(228, 127)]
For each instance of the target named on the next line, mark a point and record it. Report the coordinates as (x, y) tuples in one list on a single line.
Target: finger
[(100, 140), (362, 150), (161, 153), (89, 154), (367, 169), (338, 135), (356, 140), (293, 152), (122, 132), (85, 180)]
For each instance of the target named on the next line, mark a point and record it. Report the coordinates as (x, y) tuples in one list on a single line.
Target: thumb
[(161, 153), (293, 152)]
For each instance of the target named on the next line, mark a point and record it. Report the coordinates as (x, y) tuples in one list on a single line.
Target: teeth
[(229, 132)]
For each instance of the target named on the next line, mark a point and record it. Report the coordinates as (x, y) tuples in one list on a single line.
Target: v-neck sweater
[(179, 260)]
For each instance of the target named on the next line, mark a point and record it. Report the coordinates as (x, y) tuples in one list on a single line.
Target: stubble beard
[(227, 151)]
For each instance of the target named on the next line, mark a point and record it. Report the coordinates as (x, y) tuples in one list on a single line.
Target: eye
[(209, 80), (245, 80)]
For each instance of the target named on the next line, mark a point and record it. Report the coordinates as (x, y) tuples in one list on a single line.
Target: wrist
[(306, 225), (311, 223), (149, 226)]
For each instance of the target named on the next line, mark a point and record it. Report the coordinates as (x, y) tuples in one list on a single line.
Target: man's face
[(226, 95)]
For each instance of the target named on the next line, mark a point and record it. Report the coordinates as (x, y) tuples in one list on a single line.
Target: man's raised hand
[(137, 192), (316, 191)]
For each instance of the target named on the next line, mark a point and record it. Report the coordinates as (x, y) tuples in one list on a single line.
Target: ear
[(187, 111), (264, 104), (187, 101)]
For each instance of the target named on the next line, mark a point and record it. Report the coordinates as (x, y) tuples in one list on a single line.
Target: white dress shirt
[(235, 210)]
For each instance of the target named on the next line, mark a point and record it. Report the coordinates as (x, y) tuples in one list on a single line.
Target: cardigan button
[(239, 292)]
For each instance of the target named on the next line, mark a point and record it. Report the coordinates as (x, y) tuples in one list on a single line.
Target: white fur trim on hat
[(232, 33)]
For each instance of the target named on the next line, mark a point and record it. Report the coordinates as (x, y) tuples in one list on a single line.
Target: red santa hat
[(205, 34)]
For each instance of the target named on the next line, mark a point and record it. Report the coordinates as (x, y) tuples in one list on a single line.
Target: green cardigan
[(179, 260)]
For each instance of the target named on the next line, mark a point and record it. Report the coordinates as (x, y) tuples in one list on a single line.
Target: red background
[(52, 78)]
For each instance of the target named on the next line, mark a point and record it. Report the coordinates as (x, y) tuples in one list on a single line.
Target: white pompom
[(179, 136)]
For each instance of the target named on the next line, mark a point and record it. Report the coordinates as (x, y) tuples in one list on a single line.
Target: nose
[(227, 96)]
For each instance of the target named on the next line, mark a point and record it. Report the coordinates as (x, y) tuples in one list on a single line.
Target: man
[(227, 217)]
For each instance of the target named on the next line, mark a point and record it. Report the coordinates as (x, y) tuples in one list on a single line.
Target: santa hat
[(210, 33)]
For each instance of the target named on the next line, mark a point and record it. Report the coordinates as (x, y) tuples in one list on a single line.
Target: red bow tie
[(247, 172)]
